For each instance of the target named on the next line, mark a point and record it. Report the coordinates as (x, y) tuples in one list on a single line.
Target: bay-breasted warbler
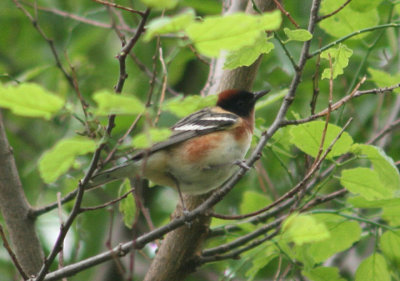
[(203, 150)]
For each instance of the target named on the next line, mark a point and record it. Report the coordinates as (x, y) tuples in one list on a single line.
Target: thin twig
[(328, 115), (12, 255), (295, 189), (214, 254), (164, 86), (355, 33), (315, 78), (121, 139), (288, 54), (388, 128), (286, 13), (105, 205), (338, 104), (334, 12), (114, 5), (48, 40), (45, 209), (78, 18)]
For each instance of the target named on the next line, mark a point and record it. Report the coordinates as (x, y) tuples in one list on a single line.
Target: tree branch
[(15, 210)]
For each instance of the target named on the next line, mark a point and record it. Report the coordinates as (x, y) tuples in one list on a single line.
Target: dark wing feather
[(196, 124)]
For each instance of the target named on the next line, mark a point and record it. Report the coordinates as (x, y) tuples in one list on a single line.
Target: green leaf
[(384, 166), (373, 268), (166, 25), (61, 157), (183, 107), (297, 34), (347, 20), (248, 54), (343, 234), (323, 274), (30, 100), (340, 59), (301, 229), (383, 79), (148, 138), (389, 243), (361, 202), (391, 214), (109, 103), (127, 206), (364, 5), (253, 201), (260, 257), (161, 4), (365, 182), (217, 33), (307, 137)]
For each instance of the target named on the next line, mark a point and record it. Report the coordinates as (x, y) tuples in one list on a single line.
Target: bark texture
[(15, 210), (175, 258)]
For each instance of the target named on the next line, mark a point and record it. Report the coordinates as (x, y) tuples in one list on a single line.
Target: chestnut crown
[(240, 102)]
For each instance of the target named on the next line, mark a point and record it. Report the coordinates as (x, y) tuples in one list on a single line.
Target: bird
[(203, 151)]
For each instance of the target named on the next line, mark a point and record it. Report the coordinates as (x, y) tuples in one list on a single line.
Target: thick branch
[(181, 245), (15, 210)]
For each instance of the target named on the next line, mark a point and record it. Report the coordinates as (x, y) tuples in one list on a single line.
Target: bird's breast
[(204, 163)]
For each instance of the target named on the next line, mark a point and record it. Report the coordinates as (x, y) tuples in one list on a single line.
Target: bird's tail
[(118, 172)]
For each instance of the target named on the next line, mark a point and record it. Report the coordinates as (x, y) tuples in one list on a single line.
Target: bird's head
[(240, 102)]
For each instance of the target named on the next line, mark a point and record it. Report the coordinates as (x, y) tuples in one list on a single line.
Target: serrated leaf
[(248, 54), (61, 156), (323, 274), (373, 268), (307, 137), (253, 201), (340, 59), (389, 243), (150, 137), (365, 182), (383, 165), (31, 100), (347, 20), (183, 107), (161, 4), (217, 33), (301, 229), (343, 234), (109, 103), (297, 34), (166, 25), (127, 206), (383, 79)]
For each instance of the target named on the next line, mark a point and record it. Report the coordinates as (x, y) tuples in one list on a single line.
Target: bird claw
[(242, 164)]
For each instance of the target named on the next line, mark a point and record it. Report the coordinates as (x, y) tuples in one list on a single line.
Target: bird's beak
[(260, 94)]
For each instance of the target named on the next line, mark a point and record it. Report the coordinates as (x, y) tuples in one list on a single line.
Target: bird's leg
[(184, 209)]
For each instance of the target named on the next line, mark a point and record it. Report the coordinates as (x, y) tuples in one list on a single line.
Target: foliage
[(57, 115)]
